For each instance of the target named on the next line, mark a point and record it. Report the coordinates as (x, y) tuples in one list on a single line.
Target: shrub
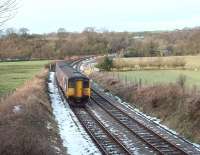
[(181, 81), (106, 65)]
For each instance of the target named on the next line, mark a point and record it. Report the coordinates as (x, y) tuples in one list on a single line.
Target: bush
[(181, 81), (106, 65)]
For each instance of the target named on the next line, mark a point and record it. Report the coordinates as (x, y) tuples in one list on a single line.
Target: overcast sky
[(42, 16)]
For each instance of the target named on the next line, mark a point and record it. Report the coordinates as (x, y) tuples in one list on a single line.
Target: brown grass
[(149, 63), (176, 106), (25, 131)]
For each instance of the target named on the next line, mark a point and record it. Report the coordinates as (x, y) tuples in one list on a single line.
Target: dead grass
[(149, 63), (24, 117), (176, 106)]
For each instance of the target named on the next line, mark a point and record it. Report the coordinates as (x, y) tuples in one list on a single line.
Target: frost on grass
[(74, 137)]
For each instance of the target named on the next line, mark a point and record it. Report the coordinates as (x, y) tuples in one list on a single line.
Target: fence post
[(126, 80), (50, 67)]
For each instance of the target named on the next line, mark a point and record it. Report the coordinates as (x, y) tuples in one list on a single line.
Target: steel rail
[(108, 133), (140, 124)]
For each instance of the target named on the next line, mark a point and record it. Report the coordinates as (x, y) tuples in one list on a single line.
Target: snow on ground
[(49, 126), (17, 108), (89, 64), (74, 137)]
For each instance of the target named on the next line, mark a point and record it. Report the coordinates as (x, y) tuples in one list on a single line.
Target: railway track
[(150, 138), (103, 138), (107, 143), (110, 143)]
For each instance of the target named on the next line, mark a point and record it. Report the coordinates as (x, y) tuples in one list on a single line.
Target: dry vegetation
[(176, 106), (26, 122), (178, 62)]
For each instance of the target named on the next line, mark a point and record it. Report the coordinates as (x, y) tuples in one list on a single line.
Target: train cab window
[(86, 84), (71, 84)]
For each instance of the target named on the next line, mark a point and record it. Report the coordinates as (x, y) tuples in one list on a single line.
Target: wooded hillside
[(22, 45)]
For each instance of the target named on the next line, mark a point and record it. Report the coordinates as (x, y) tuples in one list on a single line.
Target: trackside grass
[(14, 74), (27, 124)]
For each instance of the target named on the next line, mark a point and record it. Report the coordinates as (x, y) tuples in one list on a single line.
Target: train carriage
[(75, 85)]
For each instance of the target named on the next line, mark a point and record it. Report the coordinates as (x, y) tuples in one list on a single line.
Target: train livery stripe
[(79, 88)]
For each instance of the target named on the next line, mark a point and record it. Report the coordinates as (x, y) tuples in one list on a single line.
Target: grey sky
[(119, 15)]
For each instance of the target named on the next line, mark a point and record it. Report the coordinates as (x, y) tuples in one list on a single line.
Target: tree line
[(21, 44)]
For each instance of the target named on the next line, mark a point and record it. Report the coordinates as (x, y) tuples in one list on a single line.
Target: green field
[(14, 74), (150, 77)]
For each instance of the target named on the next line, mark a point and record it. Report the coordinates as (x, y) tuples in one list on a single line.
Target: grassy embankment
[(14, 74), (27, 125), (177, 105)]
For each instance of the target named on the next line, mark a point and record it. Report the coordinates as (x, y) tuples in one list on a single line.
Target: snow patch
[(17, 108), (57, 149), (74, 137), (49, 126), (89, 64)]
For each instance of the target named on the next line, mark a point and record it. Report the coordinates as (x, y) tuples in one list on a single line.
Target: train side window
[(71, 84), (65, 84), (86, 84)]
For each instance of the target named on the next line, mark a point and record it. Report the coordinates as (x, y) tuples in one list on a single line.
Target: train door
[(79, 88), (86, 87), (71, 88)]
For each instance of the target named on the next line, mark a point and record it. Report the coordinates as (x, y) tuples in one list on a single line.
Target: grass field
[(156, 75), (14, 74), (150, 77)]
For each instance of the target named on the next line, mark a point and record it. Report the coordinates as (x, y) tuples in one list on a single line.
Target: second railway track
[(150, 138)]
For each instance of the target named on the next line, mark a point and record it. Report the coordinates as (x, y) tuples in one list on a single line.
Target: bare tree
[(61, 32), (24, 32), (10, 31), (7, 10)]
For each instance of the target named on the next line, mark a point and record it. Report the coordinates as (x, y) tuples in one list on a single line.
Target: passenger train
[(75, 85)]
